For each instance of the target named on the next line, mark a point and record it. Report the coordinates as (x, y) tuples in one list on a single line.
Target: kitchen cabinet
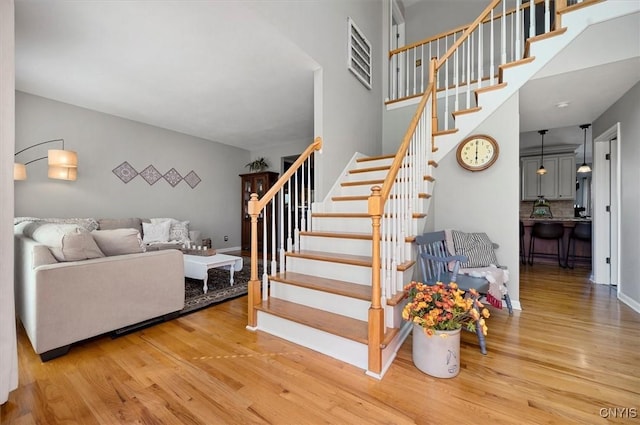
[(557, 184)]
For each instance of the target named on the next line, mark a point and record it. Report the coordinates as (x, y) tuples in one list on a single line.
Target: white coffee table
[(197, 266)]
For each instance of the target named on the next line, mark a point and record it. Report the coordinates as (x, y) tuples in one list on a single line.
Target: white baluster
[(281, 218), (480, 57), (468, 43), (456, 64), (472, 63), (512, 37), (532, 18), (547, 17), (413, 65), (296, 231), (406, 79), (518, 29), (503, 34), (309, 200), (303, 215), (491, 52), (446, 88), (274, 263), (422, 67), (289, 212), (265, 276)]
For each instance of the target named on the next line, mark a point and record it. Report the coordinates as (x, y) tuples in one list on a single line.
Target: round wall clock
[(477, 153)]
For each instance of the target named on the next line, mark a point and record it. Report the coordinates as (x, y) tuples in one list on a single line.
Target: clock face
[(477, 153)]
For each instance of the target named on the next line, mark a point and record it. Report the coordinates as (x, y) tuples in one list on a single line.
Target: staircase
[(336, 280)]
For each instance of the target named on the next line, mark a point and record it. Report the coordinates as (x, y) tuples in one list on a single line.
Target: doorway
[(606, 207)]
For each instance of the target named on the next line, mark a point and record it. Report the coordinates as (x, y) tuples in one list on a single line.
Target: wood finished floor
[(573, 350)]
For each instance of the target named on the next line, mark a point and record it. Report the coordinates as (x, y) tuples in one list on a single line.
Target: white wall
[(8, 348), (274, 154), (352, 116), (103, 142), (626, 111), (486, 201)]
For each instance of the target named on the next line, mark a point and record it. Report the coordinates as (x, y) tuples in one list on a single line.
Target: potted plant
[(259, 164), (438, 313)]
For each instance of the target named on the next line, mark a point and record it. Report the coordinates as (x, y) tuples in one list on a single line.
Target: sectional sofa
[(76, 279)]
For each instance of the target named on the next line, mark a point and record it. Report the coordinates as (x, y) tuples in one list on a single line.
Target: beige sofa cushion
[(118, 241), (67, 242), (120, 223)]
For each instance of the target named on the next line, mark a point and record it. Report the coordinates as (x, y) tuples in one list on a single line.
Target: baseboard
[(233, 248), (635, 305), (514, 304)]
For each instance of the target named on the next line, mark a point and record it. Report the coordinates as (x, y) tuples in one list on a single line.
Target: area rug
[(219, 288)]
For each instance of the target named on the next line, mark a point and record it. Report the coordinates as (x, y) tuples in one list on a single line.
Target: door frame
[(606, 228)]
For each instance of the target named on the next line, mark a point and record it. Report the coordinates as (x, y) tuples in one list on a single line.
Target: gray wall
[(626, 111), (103, 142), (486, 201), (351, 113)]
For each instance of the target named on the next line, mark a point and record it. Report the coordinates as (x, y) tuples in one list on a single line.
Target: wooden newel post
[(376, 313), (254, 282)]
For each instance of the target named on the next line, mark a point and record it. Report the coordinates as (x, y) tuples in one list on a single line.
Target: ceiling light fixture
[(542, 171), (584, 168), (562, 104)]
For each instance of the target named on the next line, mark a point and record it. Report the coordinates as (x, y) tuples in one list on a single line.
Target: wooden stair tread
[(362, 182), (343, 235), (336, 324), (434, 163), (355, 215), (375, 158), (466, 111), (444, 132), (356, 260), (347, 235), (369, 169), (366, 197), (332, 286)]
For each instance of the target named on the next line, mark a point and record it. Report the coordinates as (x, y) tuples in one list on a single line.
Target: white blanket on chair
[(496, 277)]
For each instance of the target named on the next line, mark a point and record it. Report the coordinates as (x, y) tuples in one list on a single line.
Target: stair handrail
[(254, 207)]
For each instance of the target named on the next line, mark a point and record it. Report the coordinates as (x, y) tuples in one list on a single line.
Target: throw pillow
[(476, 246), (120, 223), (119, 241), (156, 232), (67, 242), (179, 231)]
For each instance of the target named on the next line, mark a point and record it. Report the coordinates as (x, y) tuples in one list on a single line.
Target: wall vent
[(359, 57)]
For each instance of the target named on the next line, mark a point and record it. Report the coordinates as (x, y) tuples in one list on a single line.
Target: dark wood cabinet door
[(258, 183)]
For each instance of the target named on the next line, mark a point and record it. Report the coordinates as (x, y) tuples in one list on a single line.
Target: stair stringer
[(543, 50)]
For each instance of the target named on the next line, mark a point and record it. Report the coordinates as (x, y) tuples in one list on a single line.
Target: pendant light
[(584, 168), (541, 171)]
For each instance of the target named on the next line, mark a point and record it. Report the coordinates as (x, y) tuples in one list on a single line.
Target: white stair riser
[(338, 304), (358, 190), (341, 224), (330, 270), (337, 245), (331, 345)]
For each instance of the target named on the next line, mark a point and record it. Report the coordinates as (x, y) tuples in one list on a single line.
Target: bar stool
[(522, 253), (548, 231), (581, 232)]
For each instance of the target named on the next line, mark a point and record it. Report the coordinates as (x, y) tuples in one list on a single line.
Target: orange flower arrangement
[(443, 307)]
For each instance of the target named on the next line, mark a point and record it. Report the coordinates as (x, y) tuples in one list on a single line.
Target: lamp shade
[(62, 158), (584, 168), (63, 173), (19, 171)]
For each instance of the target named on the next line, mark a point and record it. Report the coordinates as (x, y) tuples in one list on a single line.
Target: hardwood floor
[(572, 351)]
